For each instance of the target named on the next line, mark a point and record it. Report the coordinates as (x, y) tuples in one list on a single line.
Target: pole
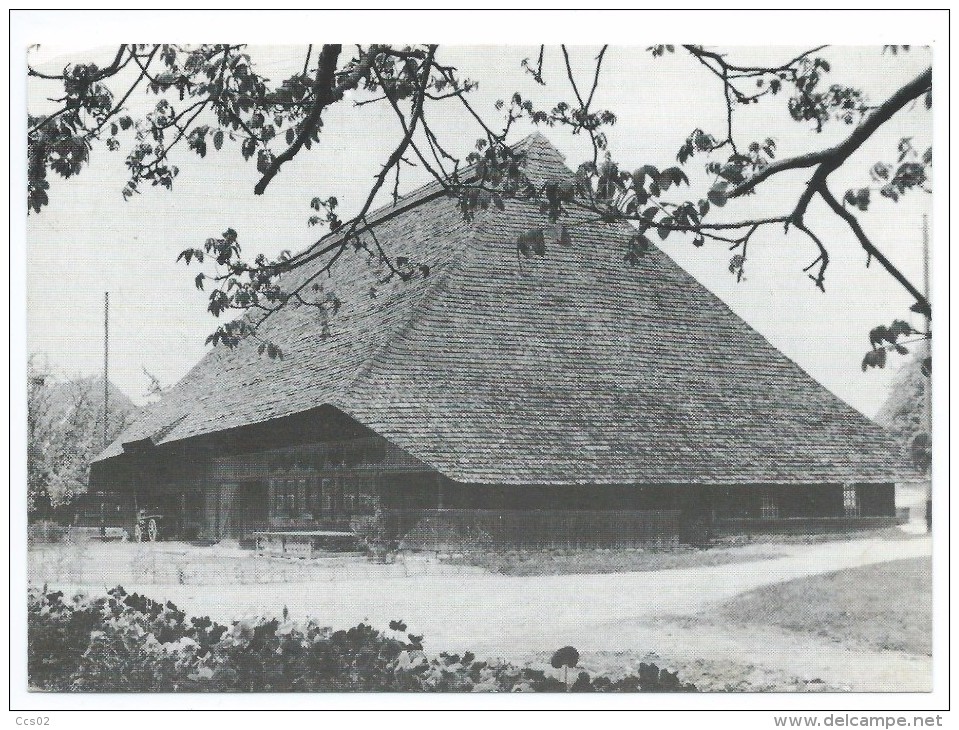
[(106, 364), (925, 276), (927, 390)]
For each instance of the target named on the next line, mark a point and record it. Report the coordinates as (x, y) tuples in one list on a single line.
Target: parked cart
[(147, 526)]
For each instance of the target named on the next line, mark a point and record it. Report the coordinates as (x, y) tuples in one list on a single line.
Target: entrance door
[(250, 509)]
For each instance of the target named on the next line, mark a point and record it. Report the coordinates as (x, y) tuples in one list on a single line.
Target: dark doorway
[(250, 509)]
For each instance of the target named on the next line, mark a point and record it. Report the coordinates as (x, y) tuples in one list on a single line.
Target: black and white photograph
[(472, 368)]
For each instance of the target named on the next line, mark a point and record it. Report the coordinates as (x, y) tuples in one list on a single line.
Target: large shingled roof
[(573, 368)]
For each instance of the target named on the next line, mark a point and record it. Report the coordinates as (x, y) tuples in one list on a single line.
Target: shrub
[(128, 642), (58, 635), (45, 532), (372, 531)]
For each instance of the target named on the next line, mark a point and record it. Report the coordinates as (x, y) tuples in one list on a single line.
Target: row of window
[(769, 508), (314, 498)]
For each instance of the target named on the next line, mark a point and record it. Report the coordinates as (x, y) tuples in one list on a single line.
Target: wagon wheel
[(152, 530), (138, 532)]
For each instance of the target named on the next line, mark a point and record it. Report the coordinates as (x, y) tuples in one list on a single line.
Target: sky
[(89, 240)]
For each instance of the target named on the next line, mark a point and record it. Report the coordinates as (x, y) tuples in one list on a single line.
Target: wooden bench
[(302, 544)]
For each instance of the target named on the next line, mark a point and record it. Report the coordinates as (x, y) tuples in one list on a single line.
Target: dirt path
[(460, 608)]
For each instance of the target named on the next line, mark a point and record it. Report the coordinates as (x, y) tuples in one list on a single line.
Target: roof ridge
[(428, 192)]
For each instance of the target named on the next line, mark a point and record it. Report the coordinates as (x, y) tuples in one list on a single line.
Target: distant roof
[(570, 368)]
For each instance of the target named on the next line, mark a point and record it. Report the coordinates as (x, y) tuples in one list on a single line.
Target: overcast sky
[(89, 240)]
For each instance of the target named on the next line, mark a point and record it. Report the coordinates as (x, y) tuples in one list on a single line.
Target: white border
[(747, 27)]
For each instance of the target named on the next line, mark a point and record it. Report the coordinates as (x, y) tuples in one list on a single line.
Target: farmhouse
[(564, 397)]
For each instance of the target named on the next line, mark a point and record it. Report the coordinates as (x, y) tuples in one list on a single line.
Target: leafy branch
[(212, 96)]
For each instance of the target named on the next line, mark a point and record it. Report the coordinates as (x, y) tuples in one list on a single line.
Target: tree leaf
[(717, 195), (878, 335), (874, 359), (263, 160)]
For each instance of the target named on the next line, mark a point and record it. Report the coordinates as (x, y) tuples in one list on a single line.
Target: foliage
[(905, 411), (911, 171), (65, 432), (44, 532), (211, 98), (885, 339), (577, 561), (129, 643), (566, 656), (372, 531)]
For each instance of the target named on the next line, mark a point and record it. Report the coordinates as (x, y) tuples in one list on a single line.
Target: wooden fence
[(459, 529)]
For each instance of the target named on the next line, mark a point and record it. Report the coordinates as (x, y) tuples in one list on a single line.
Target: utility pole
[(925, 282), (106, 364), (927, 390)]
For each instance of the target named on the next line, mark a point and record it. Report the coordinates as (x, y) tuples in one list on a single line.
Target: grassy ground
[(80, 560), (753, 617), (884, 533), (723, 551), (172, 563), (886, 606), (167, 563), (710, 675), (573, 562)]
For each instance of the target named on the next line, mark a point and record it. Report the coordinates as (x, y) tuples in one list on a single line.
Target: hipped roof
[(571, 368)]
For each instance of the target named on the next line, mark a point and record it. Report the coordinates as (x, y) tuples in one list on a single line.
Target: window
[(327, 492), (284, 498), (301, 500), (279, 498), (850, 500), (367, 500), (349, 494), (315, 497), (768, 508), (291, 497)]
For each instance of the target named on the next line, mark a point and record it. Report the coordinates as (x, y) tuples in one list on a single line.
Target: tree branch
[(323, 95), (871, 249), (831, 158), (822, 259)]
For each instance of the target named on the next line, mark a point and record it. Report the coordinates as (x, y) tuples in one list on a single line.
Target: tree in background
[(65, 433), (212, 97), (906, 412)]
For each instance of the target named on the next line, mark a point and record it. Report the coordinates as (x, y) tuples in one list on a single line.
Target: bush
[(372, 532), (439, 535), (57, 637), (114, 643), (130, 643), (46, 532)]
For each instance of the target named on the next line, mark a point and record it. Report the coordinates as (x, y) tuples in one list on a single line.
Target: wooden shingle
[(570, 368)]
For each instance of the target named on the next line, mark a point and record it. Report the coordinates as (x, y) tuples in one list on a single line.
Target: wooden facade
[(313, 486), (322, 471)]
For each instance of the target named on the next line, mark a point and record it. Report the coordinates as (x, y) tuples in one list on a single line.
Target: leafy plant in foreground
[(125, 642)]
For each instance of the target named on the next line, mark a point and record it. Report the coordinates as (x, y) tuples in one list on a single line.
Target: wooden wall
[(321, 467)]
